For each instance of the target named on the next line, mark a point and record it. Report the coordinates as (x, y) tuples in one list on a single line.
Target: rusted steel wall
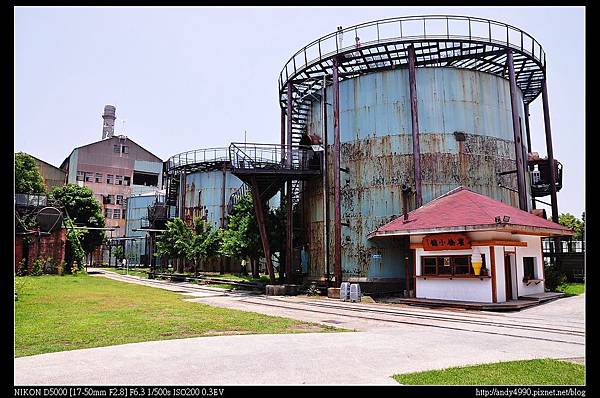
[(375, 122), (203, 191)]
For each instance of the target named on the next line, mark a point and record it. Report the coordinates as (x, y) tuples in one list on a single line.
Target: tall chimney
[(108, 129)]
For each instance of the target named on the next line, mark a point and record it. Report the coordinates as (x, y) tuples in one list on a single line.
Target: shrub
[(311, 290), (37, 268), (21, 268), (75, 268), (49, 265), (554, 277), (60, 268)]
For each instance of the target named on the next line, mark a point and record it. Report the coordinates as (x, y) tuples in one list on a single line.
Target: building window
[(429, 265), (110, 179), (119, 199), (119, 180), (109, 199), (528, 268), (98, 177), (89, 176), (80, 176), (124, 149), (116, 149), (116, 213), (145, 179), (126, 180), (124, 214), (446, 265), (108, 213)]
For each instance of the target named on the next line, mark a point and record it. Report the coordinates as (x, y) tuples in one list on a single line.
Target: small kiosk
[(468, 247)]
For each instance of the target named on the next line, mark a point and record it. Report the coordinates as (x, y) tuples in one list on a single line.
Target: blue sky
[(192, 77)]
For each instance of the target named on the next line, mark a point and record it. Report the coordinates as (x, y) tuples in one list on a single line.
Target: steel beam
[(182, 193), (289, 232), (282, 133), (550, 152), (260, 219), (415, 124), (222, 259), (522, 188), (289, 126), (527, 131), (337, 222), (325, 180), (528, 145)]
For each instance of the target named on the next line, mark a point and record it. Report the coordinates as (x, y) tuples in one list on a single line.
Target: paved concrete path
[(390, 339)]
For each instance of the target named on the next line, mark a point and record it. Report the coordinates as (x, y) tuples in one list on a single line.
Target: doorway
[(507, 277)]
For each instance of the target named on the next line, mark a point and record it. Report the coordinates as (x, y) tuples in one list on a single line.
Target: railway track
[(549, 333)]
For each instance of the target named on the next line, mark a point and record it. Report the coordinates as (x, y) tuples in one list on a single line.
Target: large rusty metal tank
[(200, 184), (465, 126)]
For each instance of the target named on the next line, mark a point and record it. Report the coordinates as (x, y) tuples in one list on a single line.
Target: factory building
[(114, 168), (136, 242), (52, 175)]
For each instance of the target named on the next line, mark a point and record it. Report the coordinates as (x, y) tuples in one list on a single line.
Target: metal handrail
[(292, 68), (198, 156), (255, 155)]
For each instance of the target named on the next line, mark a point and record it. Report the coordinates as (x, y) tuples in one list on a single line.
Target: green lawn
[(572, 289), (533, 372), (58, 313)]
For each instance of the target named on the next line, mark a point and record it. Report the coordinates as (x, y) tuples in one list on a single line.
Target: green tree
[(84, 210), (118, 252), (573, 223), (74, 253), (28, 179), (176, 241), (205, 242), (241, 238)]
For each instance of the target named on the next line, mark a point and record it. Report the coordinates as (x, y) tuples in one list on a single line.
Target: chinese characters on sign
[(446, 242)]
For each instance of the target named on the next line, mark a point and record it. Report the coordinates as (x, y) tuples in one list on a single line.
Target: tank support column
[(260, 219), (222, 260), (182, 193), (290, 232), (528, 132), (415, 124), (282, 133), (550, 152), (337, 223), (289, 126), (289, 246), (522, 187), (325, 182)]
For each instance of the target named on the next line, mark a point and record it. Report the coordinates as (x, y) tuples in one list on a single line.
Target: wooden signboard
[(446, 242)]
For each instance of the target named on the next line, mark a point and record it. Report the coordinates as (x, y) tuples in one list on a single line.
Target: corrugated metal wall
[(203, 193), (137, 208), (375, 132)]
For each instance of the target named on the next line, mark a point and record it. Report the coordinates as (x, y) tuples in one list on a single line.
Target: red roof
[(465, 210)]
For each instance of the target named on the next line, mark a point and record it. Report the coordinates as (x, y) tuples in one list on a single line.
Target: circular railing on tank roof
[(196, 157), (439, 40)]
